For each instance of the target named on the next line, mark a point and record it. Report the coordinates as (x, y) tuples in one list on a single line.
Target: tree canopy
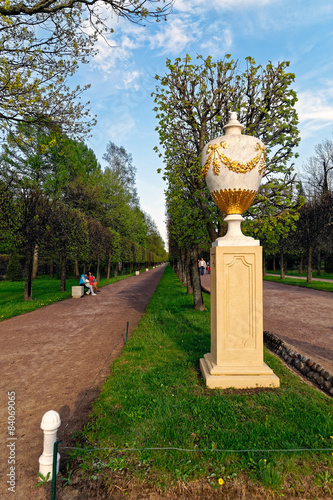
[(42, 45), (56, 198), (193, 102)]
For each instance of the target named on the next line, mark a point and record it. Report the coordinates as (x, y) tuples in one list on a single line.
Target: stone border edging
[(305, 365)]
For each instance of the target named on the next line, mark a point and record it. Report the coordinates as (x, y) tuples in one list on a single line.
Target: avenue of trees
[(57, 206), (55, 200), (310, 243)]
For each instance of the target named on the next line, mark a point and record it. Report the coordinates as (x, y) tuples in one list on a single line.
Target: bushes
[(14, 269)]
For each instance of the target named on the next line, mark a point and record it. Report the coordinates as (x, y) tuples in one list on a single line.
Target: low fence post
[(50, 424)]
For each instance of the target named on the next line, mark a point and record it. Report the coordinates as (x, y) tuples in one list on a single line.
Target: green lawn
[(156, 398), (315, 285), (322, 275), (45, 291)]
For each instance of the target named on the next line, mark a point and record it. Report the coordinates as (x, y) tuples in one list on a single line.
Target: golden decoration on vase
[(233, 201), (240, 167)]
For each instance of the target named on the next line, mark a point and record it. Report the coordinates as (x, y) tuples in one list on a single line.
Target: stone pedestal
[(236, 357)]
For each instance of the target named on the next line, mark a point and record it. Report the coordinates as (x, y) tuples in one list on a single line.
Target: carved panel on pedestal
[(239, 302)]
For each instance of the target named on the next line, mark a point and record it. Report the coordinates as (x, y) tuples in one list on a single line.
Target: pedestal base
[(245, 377)]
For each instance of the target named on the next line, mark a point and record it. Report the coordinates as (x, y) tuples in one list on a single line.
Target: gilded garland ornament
[(240, 167)]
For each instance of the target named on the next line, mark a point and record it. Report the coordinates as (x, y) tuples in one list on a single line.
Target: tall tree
[(68, 236), (314, 223), (318, 169), (120, 164), (192, 105)]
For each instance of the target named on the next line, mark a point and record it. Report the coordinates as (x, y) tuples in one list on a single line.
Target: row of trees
[(311, 239), (54, 195), (193, 101), (56, 198)]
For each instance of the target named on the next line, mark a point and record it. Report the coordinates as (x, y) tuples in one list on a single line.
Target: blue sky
[(122, 77)]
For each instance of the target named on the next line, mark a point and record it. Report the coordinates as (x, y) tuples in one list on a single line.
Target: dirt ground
[(300, 316), (50, 358)]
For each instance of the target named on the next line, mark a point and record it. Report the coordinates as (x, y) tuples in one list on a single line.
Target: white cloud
[(175, 36), (315, 110), (130, 79), (218, 40), (204, 5)]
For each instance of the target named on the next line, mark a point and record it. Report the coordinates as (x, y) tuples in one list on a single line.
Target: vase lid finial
[(233, 126)]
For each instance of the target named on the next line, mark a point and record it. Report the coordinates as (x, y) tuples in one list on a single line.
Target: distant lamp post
[(233, 166)]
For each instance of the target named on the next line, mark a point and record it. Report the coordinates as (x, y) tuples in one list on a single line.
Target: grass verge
[(45, 291), (155, 398), (322, 275), (315, 285)]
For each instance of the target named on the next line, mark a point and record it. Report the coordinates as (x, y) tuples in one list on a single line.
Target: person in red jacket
[(93, 282)]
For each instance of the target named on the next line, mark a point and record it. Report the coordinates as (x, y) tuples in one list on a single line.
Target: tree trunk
[(264, 264), (318, 263), (198, 303), (301, 265), (98, 272), (274, 264), (309, 273), (28, 276), (35, 263), (51, 268), (183, 266), (282, 272), (76, 269), (63, 274), (108, 268), (189, 283)]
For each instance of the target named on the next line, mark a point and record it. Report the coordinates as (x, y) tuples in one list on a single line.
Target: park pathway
[(50, 358), (300, 316)]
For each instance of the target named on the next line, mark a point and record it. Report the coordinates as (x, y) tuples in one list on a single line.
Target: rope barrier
[(200, 450)]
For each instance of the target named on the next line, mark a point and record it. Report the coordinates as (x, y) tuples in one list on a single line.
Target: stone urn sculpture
[(233, 166)]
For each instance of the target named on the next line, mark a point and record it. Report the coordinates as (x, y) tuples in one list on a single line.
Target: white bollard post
[(50, 424)]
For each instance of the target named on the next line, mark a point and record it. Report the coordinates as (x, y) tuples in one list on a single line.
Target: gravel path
[(50, 357), (300, 316)]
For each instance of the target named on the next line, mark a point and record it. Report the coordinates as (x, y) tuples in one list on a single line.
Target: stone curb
[(305, 365)]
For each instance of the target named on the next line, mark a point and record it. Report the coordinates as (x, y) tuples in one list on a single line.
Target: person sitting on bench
[(93, 282), (84, 281)]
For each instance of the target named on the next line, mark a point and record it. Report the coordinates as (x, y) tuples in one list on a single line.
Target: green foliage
[(36, 63), (14, 269), (56, 196), (43, 479), (193, 101)]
